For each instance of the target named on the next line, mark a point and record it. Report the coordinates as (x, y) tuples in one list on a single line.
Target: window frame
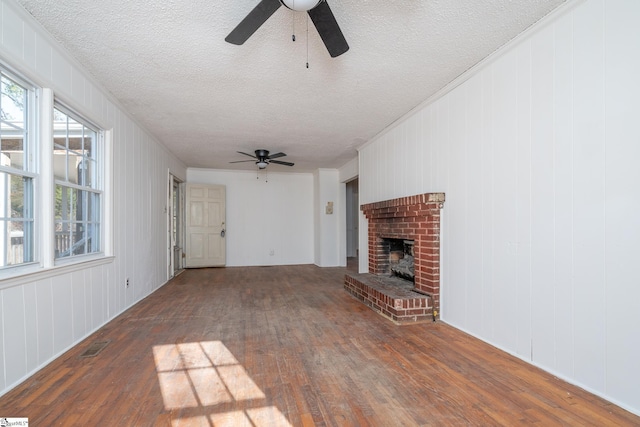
[(96, 189), (30, 171)]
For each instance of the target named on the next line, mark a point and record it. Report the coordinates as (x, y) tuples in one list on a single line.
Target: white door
[(205, 226)]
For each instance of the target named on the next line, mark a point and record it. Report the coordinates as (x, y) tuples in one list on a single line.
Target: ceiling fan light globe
[(262, 164), (300, 5)]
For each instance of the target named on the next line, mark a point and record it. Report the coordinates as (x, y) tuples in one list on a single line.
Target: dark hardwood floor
[(269, 346)]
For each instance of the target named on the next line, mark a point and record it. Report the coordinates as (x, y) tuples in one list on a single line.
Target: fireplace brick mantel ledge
[(414, 218)]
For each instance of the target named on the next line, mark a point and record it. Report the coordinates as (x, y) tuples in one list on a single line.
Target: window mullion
[(47, 190)]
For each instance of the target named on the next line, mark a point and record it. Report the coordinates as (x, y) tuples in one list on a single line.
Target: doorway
[(175, 214), (353, 206)]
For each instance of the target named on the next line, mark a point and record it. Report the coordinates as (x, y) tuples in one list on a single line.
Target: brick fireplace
[(413, 218)]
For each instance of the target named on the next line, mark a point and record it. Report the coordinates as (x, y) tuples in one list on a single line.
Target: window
[(78, 185), (17, 174), (51, 185)]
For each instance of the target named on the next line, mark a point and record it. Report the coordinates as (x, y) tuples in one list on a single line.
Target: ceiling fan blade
[(281, 163), (276, 155), (247, 154), (253, 21), (328, 29), (242, 161)]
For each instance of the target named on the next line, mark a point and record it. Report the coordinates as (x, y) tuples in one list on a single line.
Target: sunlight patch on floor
[(206, 374)]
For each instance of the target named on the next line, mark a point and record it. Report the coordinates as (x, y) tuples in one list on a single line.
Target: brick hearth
[(414, 218)]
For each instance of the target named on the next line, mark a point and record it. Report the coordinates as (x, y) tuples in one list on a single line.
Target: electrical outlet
[(126, 283)]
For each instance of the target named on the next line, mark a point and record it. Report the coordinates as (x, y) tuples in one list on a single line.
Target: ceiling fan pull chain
[(307, 41), (293, 23)]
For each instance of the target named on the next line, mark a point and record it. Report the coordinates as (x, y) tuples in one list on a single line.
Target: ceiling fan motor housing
[(262, 154), (300, 5)]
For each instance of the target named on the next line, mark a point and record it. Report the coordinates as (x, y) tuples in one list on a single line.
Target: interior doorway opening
[(352, 217), (175, 213)]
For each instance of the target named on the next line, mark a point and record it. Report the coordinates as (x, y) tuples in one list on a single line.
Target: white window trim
[(47, 188)]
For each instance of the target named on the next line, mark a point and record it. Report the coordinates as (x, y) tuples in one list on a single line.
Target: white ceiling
[(168, 64)]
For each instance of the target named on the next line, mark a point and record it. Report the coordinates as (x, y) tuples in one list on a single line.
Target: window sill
[(20, 278)]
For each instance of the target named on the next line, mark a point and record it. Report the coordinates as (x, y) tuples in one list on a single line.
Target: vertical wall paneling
[(504, 198), (485, 209), (14, 331), (473, 216), (429, 128), (81, 300), (31, 326), (537, 151), (61, 73), (12, 32), (44, 316), (121, 213), (588, 195), (563, 194), (62, 302), (78, 85), (112, 304), (99, 299), (542, 190), (29, 47), (622, 65), (457, 178), (43, 57), (417, 159), (523, 203)]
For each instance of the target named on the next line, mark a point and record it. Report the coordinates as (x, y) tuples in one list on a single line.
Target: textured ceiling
[(168, 64)]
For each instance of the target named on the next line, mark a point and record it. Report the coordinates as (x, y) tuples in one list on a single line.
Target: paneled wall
[(269, 215), (41, 316), (536, 150)]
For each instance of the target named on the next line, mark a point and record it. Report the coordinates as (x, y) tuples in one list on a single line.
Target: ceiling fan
[(318, 11), (262, 158)]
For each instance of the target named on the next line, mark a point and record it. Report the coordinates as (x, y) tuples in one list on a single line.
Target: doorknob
[(222, 233)]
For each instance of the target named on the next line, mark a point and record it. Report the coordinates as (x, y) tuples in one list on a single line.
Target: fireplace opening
[(401, 258)]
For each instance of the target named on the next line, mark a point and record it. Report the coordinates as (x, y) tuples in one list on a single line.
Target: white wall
[(43, 315), (348, 171), (537, 151), (269, 219), (330, 246)]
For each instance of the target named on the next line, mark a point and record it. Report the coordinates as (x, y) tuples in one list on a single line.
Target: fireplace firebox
[(401, 258)]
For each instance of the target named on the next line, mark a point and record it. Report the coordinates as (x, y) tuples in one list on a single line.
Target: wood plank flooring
[(270, 346)]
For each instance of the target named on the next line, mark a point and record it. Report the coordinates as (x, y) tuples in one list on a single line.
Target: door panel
[(205, 226)]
